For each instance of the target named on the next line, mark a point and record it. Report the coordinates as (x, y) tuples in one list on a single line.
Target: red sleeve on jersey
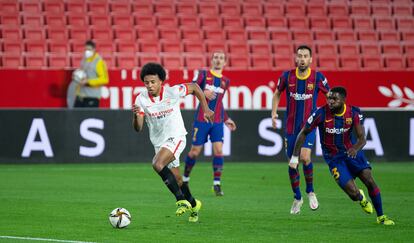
[(282, 82)]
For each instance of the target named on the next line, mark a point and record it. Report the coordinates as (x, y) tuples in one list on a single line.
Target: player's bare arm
[(293, 163), (193, 88), (138, 119), (230, 124), (361, 141), (211, 95), (275, 104)]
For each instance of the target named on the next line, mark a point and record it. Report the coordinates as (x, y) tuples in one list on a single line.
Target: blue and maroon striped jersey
[(301, 95), (335, 130), (207, 79)]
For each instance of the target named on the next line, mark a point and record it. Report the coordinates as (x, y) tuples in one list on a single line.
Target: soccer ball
[(120, 218), (78, 75)]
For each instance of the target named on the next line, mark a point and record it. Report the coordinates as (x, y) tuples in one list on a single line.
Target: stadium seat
[(298, 23), (276, 22), (283, 62), (143, 59), (348, 48), (232, 22), (389, 35), (259, 47), (126, 61), (235, 34), (373, 62), (320, 23), (31, 7), (34, 33), (257, 33), (337, 9), (142, 7), (12, 20), (9, 7), (410, 63), (105, 48), (168, 33), (236, 62), (341, 23), (55, 21), (409, 48), (101, 33), (230, 9), (120, 7), (283, 48), (195, 61), (252, 9), (77, 21), (370, 49), (76, 8), (79, 33), (188, 21), (394, 62), (358, 9), (210, 21), (214, 34), (326, 48), (295, 10), (170, 46), (147, 33), (35, 61), (123, 20), (345, 35), (77, 46), (12, 61), (187, 8), (278, 34), (148, 46), (323, 35), (166, 20), (11, 33), (304, 36), (367, 35), (12, 47), (172, 61), (99, 21), (123, 32), (391, 48), (273, 9), (75, 59), (402, 10), (328, 62), (381, 10), (237, 48), (208, 8), (407, 35), (144, 20), (193, 34), (58, 34), (352, 62), (362, 23), (98, 7), (38, 47), (316, 10), (193, 47), (126, 46), (261, 62), (58, 47), (254, 21), (382, 23), (164, 8), (213, 45), (405, 23), (32, 20), (57, 61)]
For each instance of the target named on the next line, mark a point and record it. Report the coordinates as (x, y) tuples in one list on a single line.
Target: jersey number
[(195, 134), (335, 173)]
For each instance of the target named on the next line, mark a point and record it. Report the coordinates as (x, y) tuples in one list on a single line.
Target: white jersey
[(162, 113)]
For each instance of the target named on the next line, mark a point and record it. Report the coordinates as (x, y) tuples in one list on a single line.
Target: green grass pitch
[(72, 202)]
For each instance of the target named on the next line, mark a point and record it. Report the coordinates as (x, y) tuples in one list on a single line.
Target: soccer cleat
[(182, 207), (313, 201), (194, 212), (297, 204), (385, 220), (217, 190), (365, 204)]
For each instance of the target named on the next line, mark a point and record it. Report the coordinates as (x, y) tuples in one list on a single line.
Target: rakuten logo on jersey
[(161, 114), (297, 96), (336, 130)]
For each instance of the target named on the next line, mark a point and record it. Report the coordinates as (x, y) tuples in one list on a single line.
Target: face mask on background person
[(88, 53)]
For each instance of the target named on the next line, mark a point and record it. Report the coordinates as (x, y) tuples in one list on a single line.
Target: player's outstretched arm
[(293, 163), (275, 105), (193, 88), (360, 143), (138, 119)]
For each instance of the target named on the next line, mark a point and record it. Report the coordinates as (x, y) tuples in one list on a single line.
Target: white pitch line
[(42, 239)]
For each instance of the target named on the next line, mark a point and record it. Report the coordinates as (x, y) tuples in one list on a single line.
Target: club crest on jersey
[(348, 121), (310, 87)]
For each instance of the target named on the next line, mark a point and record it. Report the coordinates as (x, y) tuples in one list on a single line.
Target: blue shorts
[(201, 131), (291, 139), (347, 168)]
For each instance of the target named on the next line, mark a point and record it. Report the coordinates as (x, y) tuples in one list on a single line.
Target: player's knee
[(218, 152), (305, 159), (157, 166), (194, 153)]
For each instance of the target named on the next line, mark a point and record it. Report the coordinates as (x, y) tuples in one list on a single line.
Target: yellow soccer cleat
[(385, 220), (194, 212), (182, 207), (365, 204)]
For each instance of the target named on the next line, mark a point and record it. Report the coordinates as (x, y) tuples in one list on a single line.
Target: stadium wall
[(92, 135)]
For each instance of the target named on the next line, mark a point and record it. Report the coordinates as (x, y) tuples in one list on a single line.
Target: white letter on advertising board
[(271, 136), (38, 126), (92, 137), (375, 142)]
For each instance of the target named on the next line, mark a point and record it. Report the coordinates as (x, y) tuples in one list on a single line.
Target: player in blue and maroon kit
[(302, 86), (337, 124), (215, 86)]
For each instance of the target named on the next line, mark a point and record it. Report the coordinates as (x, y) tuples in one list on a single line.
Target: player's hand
[(209, 115), (274, 119), (211, 95), (137, 110), (230, 124), (352, 153), (293, 162)]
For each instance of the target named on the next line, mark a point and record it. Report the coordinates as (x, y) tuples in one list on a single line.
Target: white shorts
[(176, 145)]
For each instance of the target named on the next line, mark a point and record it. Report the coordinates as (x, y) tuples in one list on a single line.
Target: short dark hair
[(153, 68), (304, 47), (340, 90), (90, 43)]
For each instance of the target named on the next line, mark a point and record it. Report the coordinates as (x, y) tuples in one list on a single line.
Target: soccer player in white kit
[(160, 107)]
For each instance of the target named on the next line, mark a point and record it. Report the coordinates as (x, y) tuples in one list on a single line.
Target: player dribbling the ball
[(159, 106)]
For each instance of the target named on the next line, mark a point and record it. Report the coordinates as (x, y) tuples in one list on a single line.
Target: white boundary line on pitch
[(42, 239)]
